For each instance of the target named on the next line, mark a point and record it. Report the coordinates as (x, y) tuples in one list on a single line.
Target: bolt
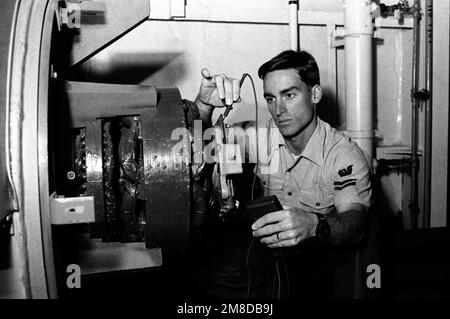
[(71, 175)]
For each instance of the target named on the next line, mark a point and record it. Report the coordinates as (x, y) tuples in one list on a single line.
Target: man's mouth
[(283, 121)]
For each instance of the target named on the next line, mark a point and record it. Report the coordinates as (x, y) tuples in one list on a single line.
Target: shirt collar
[(314, 150)]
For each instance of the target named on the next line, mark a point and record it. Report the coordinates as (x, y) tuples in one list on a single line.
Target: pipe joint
[(422, 95), (360, 134), (359, 17)]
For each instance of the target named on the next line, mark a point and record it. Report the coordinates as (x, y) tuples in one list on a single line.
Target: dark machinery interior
[(112, 142)]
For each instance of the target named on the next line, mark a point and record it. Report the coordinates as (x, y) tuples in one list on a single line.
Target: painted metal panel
[(99, 30), (7, 20)]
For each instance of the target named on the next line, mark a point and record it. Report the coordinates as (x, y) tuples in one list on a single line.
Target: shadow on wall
[(5, 244), (327, 109), (124, 68)]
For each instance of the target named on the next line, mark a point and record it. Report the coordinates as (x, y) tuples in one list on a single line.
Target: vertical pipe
[(293, 25), (428, 114), (358, 34), (415, 116)]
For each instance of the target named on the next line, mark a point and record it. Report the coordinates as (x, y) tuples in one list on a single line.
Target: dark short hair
[(302, 61)]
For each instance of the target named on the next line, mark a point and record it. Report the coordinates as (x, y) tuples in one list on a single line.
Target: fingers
[(284, 243), (282, 239), (207, 79), (284, 228), (275, 232), (236, 90), (269, 219), (228, 89), (205, 74), (272, 223), (220, 86), (267, 230)]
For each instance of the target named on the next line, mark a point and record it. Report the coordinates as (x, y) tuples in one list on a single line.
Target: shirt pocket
[(272, 184), (310, 197)]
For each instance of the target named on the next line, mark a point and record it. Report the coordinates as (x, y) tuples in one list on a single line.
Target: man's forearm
[(347, 228)]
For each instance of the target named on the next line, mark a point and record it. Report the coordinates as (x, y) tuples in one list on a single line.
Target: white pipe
[(358, 34), (293, 25)]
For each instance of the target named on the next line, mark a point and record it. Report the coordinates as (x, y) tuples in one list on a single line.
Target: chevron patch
[(338, 186)]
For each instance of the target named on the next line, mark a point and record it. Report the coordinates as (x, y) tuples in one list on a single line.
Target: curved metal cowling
[(167, 176), (162, 174)]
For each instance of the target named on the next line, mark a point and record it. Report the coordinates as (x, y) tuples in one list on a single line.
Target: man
[(319, 167), (322, 180)]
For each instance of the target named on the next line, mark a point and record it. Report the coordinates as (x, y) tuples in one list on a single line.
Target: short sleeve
[(351, 177)]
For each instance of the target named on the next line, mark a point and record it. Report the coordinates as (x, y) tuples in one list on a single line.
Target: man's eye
[(290, 95), (270, 99)]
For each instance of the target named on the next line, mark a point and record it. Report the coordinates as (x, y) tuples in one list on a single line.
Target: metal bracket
[(337, 38), (229, 157), (71, 210), (386, 165), (422, 95)]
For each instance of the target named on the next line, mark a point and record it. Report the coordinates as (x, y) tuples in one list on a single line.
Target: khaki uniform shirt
[(330, 171)]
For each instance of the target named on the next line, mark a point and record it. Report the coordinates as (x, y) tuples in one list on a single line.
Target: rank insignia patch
[(345, 171), (338, 186)]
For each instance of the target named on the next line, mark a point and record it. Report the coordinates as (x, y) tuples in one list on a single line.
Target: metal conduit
[(415, 116), (428, 114), (293, 25)]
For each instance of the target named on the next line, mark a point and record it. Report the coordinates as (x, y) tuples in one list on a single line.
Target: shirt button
[(317, 204), (290, 193)]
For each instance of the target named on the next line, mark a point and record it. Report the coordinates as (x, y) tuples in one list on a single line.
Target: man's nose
[(280, 107)]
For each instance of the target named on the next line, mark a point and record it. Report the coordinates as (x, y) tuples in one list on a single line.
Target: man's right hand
[(218, 90)]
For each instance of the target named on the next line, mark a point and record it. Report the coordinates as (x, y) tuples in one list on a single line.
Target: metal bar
[(428, 114), (46, 95), (415, 116), (94, 166), (293, 25), (206, 12), (15, 279), (358, 43)]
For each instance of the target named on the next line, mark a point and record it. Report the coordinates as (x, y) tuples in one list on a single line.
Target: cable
[(252, 195), (273, 285), (245, 75), (254, 176), (256, 132), (279, 278), (247, 264), (287, 277)]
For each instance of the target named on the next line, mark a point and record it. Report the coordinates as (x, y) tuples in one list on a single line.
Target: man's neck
[(296, 144)]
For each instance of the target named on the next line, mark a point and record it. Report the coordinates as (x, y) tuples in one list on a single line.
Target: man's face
[(290, 101)]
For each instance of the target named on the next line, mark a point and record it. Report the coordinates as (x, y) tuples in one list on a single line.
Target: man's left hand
[(286, 227)]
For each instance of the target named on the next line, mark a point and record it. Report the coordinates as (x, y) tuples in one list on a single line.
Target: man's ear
[(316, 93)]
